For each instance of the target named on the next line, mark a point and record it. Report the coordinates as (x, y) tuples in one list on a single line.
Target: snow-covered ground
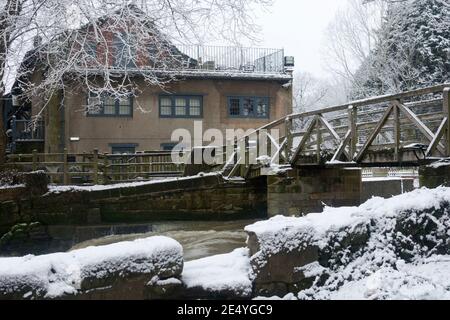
[(55, 275), (427, 279), (221, 273), (378, 271)]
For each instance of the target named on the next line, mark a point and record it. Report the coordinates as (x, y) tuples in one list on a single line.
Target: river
[(199, 239)]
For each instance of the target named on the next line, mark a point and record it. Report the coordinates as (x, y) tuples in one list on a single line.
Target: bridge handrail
[(373, 100)]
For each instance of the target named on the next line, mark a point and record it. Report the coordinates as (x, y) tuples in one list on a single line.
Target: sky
[(298, 26)]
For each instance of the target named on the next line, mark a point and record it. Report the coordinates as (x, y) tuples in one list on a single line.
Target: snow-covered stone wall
[(322, 252), (125, 270)]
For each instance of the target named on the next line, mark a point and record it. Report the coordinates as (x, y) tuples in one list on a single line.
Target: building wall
[(149, 131)]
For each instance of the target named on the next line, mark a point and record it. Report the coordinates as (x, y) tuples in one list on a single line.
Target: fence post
[(65, 168), (35, 160), (446, 101), (105, 169), (95, 160)]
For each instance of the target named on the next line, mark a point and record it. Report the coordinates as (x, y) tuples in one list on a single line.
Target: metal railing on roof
[(232, 59)]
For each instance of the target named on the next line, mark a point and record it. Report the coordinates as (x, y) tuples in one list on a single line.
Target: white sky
[(298, 26)]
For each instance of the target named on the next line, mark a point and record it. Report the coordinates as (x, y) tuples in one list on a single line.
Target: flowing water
[(199, 239)]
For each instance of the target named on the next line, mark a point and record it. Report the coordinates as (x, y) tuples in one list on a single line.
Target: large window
[(109, 106), (249, 107), (176, 106)]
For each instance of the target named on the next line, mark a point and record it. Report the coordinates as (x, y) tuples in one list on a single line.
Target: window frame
[(254, 115), (123, 146), (116, 108), (187, 98), (169, 146)]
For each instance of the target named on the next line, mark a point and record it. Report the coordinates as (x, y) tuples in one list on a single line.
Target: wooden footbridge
[(399, 130), (408, 129)]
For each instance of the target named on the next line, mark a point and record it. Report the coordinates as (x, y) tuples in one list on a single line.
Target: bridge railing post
[(236, 153), (246, 155), (446, 109), (352, 120), (289, 139), (319, 142), (397, 130)]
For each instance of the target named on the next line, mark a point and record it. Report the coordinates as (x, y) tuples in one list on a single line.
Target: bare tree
[(310, 92), (352, 36), (103, 45)]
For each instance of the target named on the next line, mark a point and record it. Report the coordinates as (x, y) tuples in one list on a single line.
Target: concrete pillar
[(53, 130), (434, 176), (307, 190)]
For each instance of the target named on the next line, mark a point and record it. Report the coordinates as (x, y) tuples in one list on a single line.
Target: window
[(123, 148), (168, 146), (125, 51), (181, 106), (109, 106), (249, 107)]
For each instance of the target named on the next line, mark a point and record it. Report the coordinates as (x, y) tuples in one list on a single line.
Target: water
[(199, 239)]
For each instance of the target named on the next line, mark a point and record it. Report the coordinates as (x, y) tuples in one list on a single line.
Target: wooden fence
[(97, 168)]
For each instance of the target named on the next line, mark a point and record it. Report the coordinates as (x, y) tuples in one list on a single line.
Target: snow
[(16, 186), (377, 179), (334, 219), (61, 189), (227, 272), (439, 164), (376, 271), (288, 297), (425, 280), (54, 275)]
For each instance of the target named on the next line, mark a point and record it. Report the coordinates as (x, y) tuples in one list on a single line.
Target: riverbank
[(396, 248)]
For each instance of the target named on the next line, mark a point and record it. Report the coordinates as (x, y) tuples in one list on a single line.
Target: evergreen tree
[(413, 49)]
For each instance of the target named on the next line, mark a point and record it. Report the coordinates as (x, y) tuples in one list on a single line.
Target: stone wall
[(306, 190), (434, 176), (197, 198), (385, 188), (291, 255)]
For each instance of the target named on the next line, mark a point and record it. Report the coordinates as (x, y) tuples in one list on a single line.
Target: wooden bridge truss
[(406, 129)]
